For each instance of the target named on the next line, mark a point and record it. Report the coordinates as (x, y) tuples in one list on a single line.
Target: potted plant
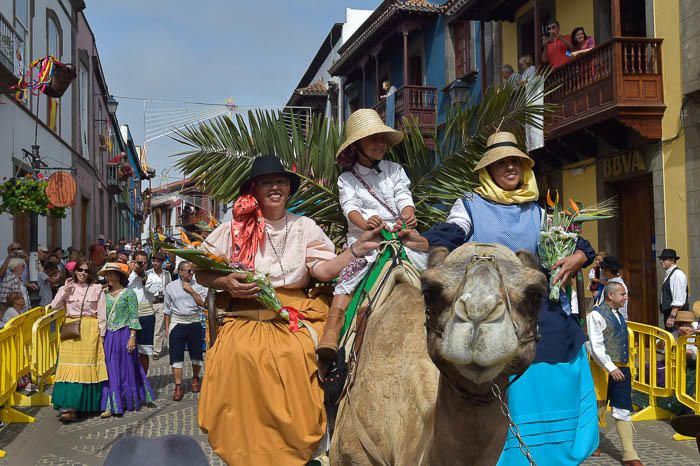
[(27, 195)]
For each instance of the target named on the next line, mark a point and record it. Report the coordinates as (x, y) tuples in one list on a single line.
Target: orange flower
[(574, 205), (219, 259), (550, 203)]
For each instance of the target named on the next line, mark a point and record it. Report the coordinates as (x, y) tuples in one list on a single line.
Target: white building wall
[(17, 125)]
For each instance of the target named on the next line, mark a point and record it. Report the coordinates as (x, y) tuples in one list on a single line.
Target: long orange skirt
[(261, 401)]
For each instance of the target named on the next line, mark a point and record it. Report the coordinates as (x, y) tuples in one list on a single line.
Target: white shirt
[(391, 185), (679, 285), (179, 303), (596, 325), (10, 313), (136, 283), (155, 284)]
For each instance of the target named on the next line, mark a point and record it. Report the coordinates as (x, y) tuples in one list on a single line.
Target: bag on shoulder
[(71, 330)]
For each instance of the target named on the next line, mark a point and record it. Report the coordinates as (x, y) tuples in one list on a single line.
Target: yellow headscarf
[(527, 191)]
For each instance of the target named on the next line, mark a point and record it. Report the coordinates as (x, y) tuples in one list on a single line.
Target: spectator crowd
[(125, 305)]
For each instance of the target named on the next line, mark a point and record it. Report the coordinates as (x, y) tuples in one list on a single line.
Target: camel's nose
[(478, 309)]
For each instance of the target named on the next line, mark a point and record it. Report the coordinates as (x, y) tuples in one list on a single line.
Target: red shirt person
[(555, 46)]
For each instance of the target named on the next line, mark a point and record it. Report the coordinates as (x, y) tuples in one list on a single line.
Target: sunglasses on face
[(140, 263), (82, 270)]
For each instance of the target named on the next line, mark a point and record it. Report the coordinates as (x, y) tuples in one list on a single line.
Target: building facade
[(29, 30)]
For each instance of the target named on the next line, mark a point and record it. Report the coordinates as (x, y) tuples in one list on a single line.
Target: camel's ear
[(437, 255), (528, 259)]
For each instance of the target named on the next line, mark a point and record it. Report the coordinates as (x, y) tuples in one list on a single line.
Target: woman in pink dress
[(581, 41)]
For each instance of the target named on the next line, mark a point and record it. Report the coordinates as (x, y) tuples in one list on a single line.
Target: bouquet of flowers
[(561, 230), (218, 264)]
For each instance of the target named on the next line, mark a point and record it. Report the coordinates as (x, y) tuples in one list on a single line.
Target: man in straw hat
[(503, 209), (373, 193), (674, 290), (607, 331)]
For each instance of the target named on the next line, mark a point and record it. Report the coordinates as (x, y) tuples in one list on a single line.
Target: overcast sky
[(207, 50)]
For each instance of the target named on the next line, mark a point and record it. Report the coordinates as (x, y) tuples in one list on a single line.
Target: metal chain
[(512, 426)]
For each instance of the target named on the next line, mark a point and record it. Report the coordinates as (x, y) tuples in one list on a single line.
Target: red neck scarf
[(247, 231)]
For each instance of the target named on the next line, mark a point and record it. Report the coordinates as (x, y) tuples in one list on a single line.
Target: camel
[(422, 389)]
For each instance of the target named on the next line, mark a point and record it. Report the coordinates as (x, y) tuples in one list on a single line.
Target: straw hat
[(685, 316), (696, 309), (114, 267), (366, 122), (499, 146)]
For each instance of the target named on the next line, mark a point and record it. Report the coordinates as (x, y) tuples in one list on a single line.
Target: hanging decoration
[(61, 189), (45, 76), (27, 195)]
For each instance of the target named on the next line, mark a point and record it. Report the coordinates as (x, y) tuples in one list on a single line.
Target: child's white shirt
[(391, 185)]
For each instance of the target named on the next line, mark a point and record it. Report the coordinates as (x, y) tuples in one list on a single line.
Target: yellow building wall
[(571, 14), (666, 26), (579, 184)]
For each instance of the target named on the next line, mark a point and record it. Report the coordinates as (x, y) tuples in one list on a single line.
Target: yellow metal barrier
[(10, 350), (44, 357), (644, 361), (691, 400)]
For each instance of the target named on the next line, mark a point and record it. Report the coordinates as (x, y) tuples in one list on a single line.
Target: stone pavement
[(49, 442)]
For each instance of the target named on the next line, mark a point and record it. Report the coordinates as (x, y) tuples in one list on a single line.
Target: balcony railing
[(419, 102), (621, 79), (114, 184), (11, 44)]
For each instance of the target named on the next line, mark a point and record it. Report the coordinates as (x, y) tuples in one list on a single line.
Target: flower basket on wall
[(27, 195), (61, 78)]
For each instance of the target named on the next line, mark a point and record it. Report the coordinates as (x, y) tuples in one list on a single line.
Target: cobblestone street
[(49, 442)]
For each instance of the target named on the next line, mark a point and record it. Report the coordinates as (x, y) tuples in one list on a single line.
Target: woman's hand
[(410, 220), (374, 222), (569, 266), (131, 344), (413, 240), (367, 242), (235, 285)]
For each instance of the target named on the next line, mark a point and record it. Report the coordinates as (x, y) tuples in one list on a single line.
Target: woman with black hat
[(261, 402), (554, 399)]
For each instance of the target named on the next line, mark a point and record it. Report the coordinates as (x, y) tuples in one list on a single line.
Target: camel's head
[(482, 302)]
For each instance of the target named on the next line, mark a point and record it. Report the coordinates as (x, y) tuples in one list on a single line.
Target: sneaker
[(106, 413)]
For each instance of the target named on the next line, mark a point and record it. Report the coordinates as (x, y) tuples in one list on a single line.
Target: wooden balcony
[(419, 102), (620, 79)]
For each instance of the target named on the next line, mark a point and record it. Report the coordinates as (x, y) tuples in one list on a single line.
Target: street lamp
[(112, 105), (459, 92)]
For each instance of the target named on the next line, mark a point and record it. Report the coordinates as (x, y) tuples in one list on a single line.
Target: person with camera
[(147, 318), (13, 250), (556, 49), (156, 281)]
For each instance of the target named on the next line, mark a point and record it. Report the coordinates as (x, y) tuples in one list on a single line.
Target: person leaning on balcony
[(607, 332), (674, 290), (388, 89), (581, 42), (555, 46), (526, 67), (508, 74)]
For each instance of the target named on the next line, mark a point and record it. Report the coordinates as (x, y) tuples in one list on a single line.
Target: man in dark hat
[(610, 269), (674, 290)]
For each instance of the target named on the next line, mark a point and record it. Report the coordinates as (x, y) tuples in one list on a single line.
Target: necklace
[(279, 249)]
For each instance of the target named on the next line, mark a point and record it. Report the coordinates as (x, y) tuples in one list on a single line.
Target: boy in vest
[(607, 332), (674, 291)]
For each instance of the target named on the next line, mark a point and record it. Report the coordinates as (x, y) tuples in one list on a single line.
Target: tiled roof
[(385, 13), (317, 88)]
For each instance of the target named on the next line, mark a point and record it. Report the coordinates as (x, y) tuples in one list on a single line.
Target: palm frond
[(221, 151)]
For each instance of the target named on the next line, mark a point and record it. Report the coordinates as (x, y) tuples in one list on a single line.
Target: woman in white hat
[(554, 401), (127, 387), (373, 193)]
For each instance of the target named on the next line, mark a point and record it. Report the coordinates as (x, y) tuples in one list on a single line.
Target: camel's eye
[(432, 294)]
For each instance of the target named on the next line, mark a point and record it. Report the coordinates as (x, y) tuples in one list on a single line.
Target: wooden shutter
[(462, 46)]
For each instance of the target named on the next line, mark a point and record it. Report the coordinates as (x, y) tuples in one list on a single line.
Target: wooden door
[(415, 70), (635, 248), (21, 230)]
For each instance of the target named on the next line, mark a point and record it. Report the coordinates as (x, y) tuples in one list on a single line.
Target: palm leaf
[(221, 151)]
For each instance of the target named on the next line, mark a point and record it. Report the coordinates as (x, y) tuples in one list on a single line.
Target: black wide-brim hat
[(270, 165), (669, 254), (610, 263)]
